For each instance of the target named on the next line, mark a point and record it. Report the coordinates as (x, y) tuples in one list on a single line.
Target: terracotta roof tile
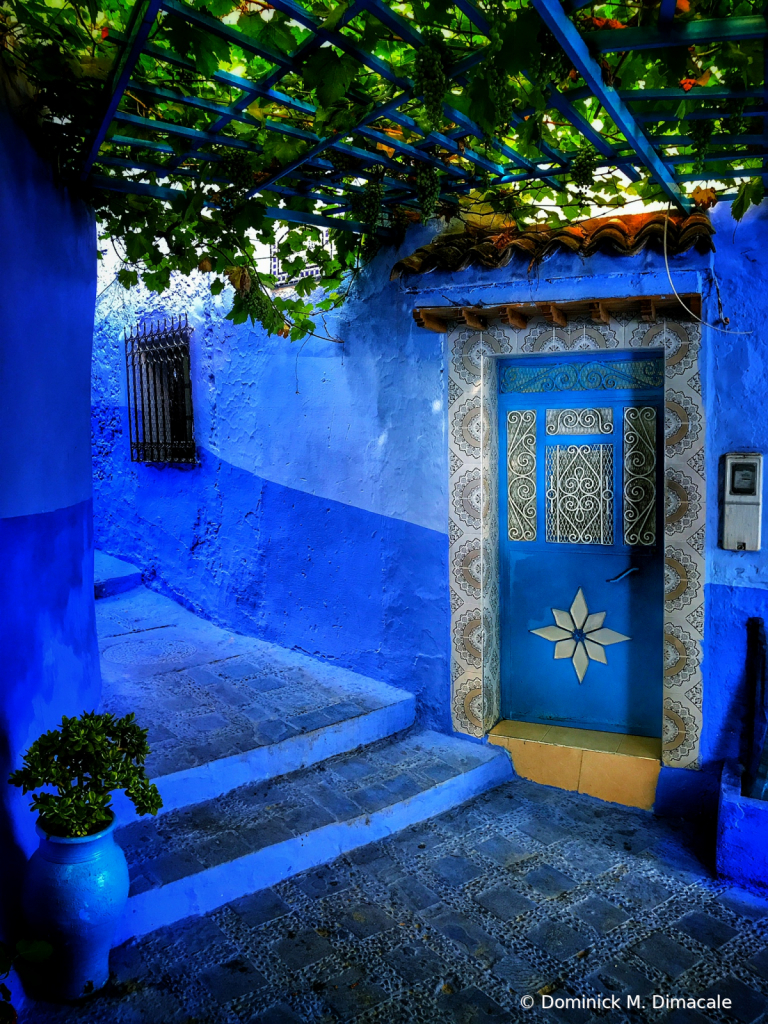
[(625, 235)]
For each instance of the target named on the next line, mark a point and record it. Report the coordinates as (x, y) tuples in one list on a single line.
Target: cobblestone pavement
[(345, 788), (207, 693), (525, 890)]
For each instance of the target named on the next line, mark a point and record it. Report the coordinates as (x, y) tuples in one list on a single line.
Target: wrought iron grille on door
[(160, 392)]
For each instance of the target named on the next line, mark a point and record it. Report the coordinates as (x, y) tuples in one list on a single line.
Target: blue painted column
[(49, 664)]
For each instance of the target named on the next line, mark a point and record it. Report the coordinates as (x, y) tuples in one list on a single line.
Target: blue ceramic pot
[(75, 892)]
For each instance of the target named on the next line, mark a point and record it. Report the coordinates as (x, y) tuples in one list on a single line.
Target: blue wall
[(319, 519), (49, 663)]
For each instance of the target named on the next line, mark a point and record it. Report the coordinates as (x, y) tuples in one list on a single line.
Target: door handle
[(622, 575)]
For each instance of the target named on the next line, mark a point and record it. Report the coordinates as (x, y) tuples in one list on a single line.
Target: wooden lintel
[(512, 316), (429, 321), (599, 313), (648, 310), (651, 309), (552, 313), (472, 318)]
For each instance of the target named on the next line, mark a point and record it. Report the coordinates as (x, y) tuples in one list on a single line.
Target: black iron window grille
[(160, 392)]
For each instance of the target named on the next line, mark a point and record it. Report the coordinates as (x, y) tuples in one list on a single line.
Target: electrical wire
[(705, 323)]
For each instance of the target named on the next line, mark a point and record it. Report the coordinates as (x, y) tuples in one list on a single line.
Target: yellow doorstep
[(609, 765)]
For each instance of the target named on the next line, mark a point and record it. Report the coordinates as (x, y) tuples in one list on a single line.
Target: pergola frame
[(126, 148)]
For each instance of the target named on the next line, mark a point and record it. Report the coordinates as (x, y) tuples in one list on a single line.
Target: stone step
[(224, 710), (195, 859), (112, 575)]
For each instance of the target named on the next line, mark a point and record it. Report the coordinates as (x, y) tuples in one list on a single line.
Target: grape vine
[(700, 132), (428, 189), (220, 199), (429, 74), (583, 166)]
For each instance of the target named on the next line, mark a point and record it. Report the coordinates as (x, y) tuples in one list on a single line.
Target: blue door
[(581, 535)]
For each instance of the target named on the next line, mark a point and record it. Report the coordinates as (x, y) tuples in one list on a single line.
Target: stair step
[(112, 575), (224, 710), (195, 859)]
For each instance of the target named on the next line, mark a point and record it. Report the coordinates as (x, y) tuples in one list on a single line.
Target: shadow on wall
[(49, 663), (316, 520)]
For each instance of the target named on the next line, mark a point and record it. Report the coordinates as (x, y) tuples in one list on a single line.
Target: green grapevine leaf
[(336, 15), (329, 75), (748, 192)]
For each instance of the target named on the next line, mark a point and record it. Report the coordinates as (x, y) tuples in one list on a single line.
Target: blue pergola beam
[(697, 115), (715, 158), (248, 88), (739, 172), (164, 93), (309, 21), (124, 69), (140, 188), (675, 94), (407, 150), (577, 50), (394, 21), (477, 17), (193, 134), (232, 35), (717, 140), (368, 60), (163, 171), (693, 33), (728, 197), (556, 99), (311, 44), (667, 13)]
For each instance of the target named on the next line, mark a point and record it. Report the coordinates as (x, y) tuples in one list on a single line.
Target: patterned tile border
[(474, 526)]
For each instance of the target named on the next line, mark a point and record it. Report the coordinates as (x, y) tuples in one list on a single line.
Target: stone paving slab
[(389, 934), (345, 788), (207, 693)]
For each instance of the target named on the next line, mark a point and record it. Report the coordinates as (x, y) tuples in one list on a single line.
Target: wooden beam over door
[(651, 308)]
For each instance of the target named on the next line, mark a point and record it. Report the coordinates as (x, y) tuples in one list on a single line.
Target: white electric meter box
[(742, 501)]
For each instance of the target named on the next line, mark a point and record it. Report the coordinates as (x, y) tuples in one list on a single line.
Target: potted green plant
[(76, 884)]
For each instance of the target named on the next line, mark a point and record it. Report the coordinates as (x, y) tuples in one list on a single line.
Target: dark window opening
[(160, 392)]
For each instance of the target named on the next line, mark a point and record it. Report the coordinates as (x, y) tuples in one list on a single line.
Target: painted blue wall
[(361, 575), (317, 517), (49, 663)]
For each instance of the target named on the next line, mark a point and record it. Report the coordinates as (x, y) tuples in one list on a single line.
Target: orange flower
[(607, 23), (104, 32), (688, 83)]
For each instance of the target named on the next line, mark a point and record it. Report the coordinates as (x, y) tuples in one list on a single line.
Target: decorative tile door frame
[(474, 525)]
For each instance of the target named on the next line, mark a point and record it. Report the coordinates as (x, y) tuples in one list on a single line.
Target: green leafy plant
[(86, 760), (25, 950), (320, 125)]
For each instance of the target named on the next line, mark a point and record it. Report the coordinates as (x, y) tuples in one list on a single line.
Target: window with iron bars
[(160, 392)]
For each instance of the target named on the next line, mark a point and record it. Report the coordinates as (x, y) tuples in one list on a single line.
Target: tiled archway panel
[(473, 522)]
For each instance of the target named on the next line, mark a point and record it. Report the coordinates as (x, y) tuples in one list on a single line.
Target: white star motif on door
[(580, 636)]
